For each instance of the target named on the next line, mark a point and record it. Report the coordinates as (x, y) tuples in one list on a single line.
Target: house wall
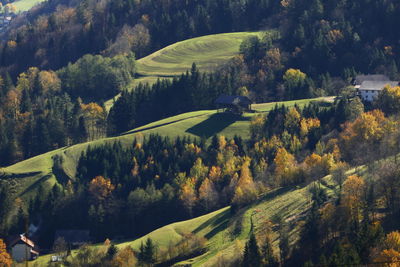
[(369, 95), (20, 251)]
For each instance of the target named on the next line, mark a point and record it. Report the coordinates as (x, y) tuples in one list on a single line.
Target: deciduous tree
[(5, 258)]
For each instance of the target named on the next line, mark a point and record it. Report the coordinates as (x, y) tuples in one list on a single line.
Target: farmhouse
[(359, 79), (74, 238), (369, 90), (234, 104), (23, 249)]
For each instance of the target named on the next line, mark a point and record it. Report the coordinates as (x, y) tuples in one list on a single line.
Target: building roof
[(376, 85), (233, 100), (74, 236), (359, 79), (24, 239)]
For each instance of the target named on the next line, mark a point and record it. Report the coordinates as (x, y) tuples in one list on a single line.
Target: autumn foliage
[(5, 258), (245, 191), (353, 192), (101, 188)]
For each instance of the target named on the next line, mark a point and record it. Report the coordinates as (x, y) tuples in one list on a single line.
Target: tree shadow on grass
[(36, 184), (18, 175), (218, 223), (214, 124)]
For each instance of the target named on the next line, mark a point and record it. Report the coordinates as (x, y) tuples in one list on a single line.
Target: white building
[(23, 249), (369, 90)]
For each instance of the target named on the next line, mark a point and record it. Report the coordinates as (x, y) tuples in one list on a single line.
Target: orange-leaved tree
[(208, 195), (353, 196), (390, 254), (5, 258), (101, 188)]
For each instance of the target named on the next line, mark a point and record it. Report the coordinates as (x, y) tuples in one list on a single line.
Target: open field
[(207, 123), (25, 5), (208, 52)]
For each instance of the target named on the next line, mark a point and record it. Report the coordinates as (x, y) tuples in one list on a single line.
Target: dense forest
[(318, 37), (61, 61)]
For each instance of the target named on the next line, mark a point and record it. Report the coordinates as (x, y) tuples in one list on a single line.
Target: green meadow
[(25, 5), (208, 52)]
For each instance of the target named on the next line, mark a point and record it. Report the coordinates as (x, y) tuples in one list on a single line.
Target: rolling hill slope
[(289, 205), (205, 123), (217, 227), (208, 52)]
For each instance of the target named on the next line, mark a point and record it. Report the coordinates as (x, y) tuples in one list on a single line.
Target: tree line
[(46, 110)]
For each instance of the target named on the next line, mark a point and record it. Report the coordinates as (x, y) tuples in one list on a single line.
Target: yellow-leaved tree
[(95, 117), (294, 80), (389, 99), (285, 167), (292, 120), (188, 195), (245, 191), (360, 137), (390, 254)]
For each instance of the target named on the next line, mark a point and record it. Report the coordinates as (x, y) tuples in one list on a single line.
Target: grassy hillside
[(205, 123), (208, 52), (289, 205), (217, 226), (25, 5)]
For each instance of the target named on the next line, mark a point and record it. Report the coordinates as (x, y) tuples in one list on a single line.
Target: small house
[(74, 238), (234, 104), (22, 249), (369, 90)]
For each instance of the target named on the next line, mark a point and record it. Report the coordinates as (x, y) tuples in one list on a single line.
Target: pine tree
[(111, 252), (8, 83), (268, 253), (283, 242), (141, 253), (251, 256), (26, 105), (150, 252)]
